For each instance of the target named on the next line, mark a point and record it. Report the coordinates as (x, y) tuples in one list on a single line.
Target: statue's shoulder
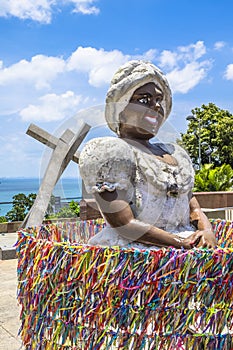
[(107, 160), (106, 149), (179, 150), (106, 141)]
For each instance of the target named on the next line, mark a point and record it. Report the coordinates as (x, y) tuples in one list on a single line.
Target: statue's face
[(144, 114)]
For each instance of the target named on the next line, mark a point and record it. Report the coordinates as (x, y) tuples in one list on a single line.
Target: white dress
[(110, 163)]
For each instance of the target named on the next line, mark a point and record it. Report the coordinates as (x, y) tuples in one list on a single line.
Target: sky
[(57, 58)]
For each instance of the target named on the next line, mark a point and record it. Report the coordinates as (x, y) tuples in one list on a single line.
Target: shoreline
[(67, 187)]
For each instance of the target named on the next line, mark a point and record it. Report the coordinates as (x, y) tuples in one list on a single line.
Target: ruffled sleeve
[(107, 163)]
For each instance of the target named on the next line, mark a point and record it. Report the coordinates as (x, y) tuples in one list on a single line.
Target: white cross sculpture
[(64, 150)]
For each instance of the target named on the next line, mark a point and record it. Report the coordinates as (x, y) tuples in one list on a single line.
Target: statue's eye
[(144, 99)]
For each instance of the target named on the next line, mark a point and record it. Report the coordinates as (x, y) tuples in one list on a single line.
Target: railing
[(221, 213), (59, 202)]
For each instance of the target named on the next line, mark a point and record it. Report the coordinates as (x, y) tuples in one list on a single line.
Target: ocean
[(66, 188)]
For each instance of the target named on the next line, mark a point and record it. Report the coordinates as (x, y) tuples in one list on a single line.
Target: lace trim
[(103, 186)]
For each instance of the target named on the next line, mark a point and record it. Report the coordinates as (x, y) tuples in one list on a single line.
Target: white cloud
[(192, 51), (219, 45), (29, 81), (229, 72), (183, 80), (184, 66), (42, 10), (99, 64), (40, 71), (168, 59), (149, 55), (182, 55), (52, 107), (84, 6), (37, 10)]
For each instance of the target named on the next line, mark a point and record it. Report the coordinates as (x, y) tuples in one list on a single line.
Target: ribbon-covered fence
[(76, 296)]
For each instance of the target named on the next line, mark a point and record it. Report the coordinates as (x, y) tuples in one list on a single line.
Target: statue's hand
[(201, 239)]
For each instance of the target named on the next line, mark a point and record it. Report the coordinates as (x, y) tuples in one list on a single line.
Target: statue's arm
[(204, 235), (119, 215)]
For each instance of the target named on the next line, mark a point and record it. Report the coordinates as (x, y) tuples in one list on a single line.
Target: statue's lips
[(152, 120)]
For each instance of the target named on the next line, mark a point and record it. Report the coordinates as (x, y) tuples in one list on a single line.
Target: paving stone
[(9, 308), (7, 242)]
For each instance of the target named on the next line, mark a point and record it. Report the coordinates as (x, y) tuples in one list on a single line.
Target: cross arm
[(47, 139)]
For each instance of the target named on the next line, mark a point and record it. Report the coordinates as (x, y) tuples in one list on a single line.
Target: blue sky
[(57, 58)]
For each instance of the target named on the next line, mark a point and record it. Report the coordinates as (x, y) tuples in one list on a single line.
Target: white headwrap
[(125, 81)]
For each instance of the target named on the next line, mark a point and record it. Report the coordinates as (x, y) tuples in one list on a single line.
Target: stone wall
[(209, 201)]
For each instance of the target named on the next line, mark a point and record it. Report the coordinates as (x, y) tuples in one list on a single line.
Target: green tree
[(209, 179), (213, 127), (75, 207), (21, 206), (3, 219), (70, 211)]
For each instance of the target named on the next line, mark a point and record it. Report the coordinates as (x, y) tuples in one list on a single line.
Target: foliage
[(3, 219), (23, 203), (209, 179), (75, 207), (215, 133), (21, 206), (70, 211)]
